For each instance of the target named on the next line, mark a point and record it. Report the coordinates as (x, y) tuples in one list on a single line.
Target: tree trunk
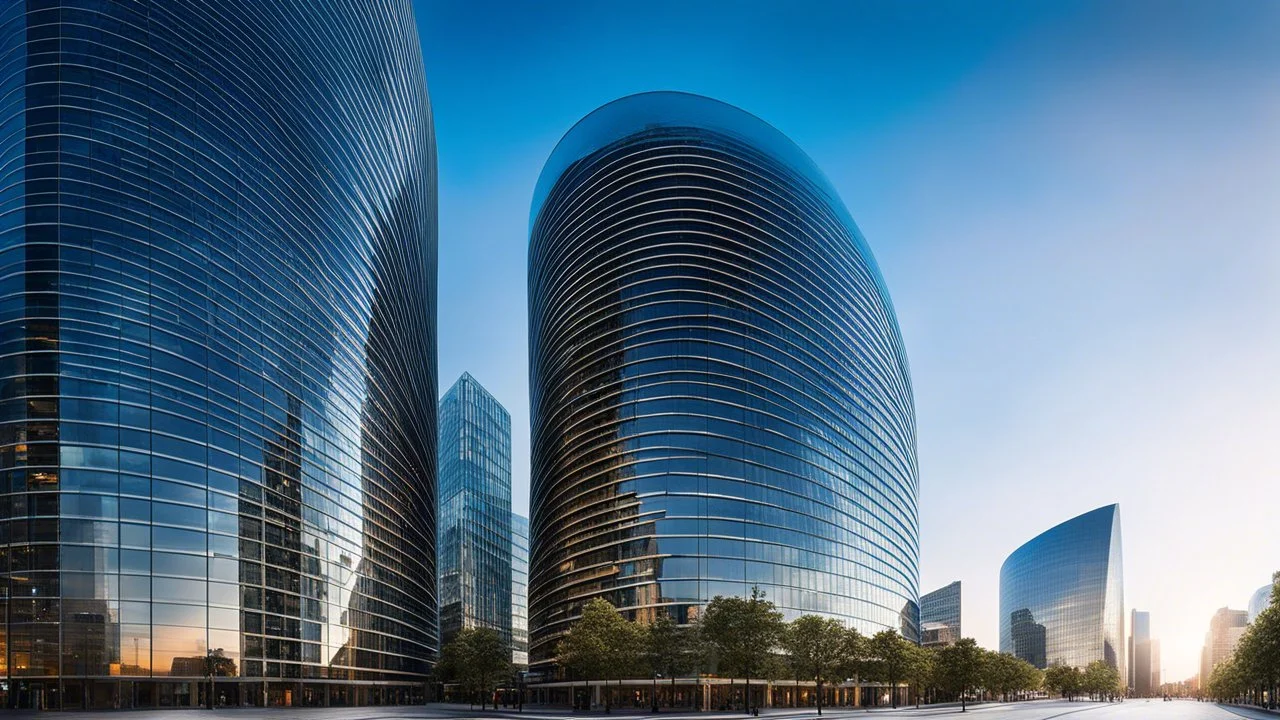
[(746, 697), (819, 685)]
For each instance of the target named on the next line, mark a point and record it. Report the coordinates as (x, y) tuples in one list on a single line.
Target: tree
[(601, 644), (477, 659), (960, 668), (887, 659), (919, 672), (743, 633), (669, 651), (1101, 679), (1063, 679), (1006, 674), (815, 647)]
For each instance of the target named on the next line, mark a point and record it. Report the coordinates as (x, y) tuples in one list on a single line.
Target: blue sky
[(1075, 207)]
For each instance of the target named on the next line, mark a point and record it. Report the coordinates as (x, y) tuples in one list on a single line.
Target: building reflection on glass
[(1028, 638), (1061, 594)]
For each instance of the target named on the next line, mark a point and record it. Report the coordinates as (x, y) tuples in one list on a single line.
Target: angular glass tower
[(940, 616), (720, 394), (475, 511), (519, 591), (1062, 595), (217, 380)]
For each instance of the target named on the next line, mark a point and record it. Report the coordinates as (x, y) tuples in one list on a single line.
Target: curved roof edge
[(1113, 509), (636, 113)]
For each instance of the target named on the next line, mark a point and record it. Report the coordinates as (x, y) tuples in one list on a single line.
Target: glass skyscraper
[(1062, 595), (475, 511), (217, 379), (1140, 653), (519, 591), (720, 394), (940, 616)]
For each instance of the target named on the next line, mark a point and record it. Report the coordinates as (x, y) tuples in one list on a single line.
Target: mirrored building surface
[(217, 372), (1061, 595), (475, 511), (719, 390), (1259, 601)]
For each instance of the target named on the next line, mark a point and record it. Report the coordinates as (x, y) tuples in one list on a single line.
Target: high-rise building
[(1156, 673), (1225, 630), (940, 616), (1061, 594), (475, 511), (1140, 653), (520, 591), (719, 389), (217, 450), (1259, 601)]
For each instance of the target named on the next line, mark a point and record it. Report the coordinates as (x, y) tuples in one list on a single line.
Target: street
[(1037, 710)]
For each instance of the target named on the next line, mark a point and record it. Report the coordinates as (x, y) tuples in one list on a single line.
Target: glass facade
[(720, 394), (519, 591), (940, 616), (1062, 595), (475, 511), (217, 372), (1259, 601)]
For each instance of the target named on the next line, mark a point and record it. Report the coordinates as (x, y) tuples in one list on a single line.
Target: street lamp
[(653, 694)]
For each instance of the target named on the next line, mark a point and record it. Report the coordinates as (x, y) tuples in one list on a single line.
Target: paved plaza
[(1038, 710)]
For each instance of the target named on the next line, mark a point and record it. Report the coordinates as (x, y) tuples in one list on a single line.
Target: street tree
[(744, 634), (920, 669), (815, 647), (1101, 680), (1066, 680), (477, 660), (670, 651), (600, 645), (887, 656), (960, 668)]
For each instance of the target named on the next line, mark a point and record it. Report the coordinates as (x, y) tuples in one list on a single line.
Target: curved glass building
[(719, 389), (1259, 601), (1062, 594), (217, 354)]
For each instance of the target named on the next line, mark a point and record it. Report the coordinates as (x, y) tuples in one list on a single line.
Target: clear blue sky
[(1076, 207)]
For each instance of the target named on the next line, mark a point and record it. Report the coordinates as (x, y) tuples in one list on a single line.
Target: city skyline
[(1055, 300)]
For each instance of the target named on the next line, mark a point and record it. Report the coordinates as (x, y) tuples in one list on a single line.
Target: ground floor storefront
[(709, 694), (115, 693)]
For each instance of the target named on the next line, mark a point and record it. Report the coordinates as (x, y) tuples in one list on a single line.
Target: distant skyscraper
[(520, 591), (1140, 653), (1066, 586), (720, 393), (940, 616), (1259, 602), (475, 511), (1225, 630), (218, 361), (1156, 674)]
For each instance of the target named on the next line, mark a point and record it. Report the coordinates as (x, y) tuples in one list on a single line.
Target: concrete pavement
[(1035, 710)]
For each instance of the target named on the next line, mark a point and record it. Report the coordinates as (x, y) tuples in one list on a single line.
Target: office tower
[(1225, 630), (1066, 586), (475, 511), (719, 390), (1139, 653), (940, 616), (218, 327), (1156, 674), (520, 591)]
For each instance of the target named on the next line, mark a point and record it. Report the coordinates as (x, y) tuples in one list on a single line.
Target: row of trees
[(747, 638), (1252, 674), (1099, 680), (478, 661)]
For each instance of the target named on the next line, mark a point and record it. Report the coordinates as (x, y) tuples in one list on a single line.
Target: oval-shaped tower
[(720, 395)]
